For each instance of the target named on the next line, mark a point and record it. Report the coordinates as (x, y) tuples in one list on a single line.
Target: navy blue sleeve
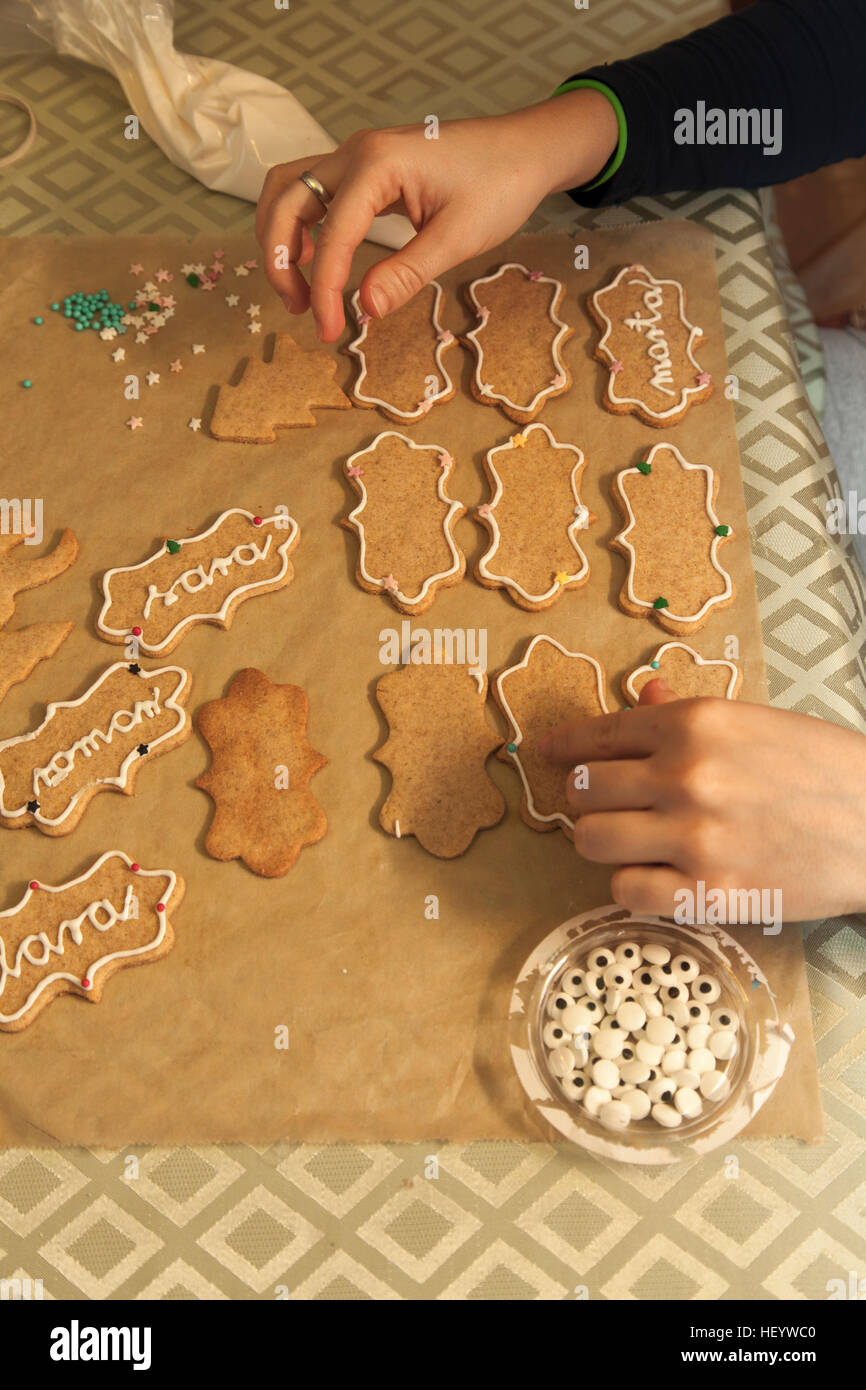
[(798, 65)]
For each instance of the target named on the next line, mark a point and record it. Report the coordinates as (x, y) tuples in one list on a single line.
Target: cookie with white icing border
[(438, 742), (672, 540), (517, 340), (687, 673), (260, 773), (70, 939), (404, 521), (96, 743), (548, 686), (199, 579), (647, 345), (280, 394), (534, 517), (400, 357)]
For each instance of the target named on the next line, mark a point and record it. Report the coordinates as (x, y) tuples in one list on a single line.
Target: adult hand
[(740, 796), (464, 192)]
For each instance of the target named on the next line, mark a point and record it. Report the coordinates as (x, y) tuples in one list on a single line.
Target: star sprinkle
[(136, 269), (232, 300), (198, 269), (426, 405), (187, 269), (149, 287), (559, 380), (389, 583), (134, 422), (561, 578), (363, 319), (176, 365), (254, 326), (118, 355), (356, 471), (241, 270), (703, 379), (445, 337), (445, 459), (164, 277), (107, 334), (615, 367), (141, 336), (152, 378), (518, 441), (483, 314), (253, 310), (251, 265), (198, 347), (207, 285), (485, 509), (535, 274), (194, 424)]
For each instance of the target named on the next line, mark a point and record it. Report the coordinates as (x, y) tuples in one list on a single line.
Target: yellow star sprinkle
[(518, 441), (561, 578)]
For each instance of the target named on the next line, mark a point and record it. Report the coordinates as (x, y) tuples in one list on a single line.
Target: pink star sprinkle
[(136, 269), (356, 471), (485, 509), (558, 380), (703, 379), (483, 314), (446, 336), (176, 365), (535, 274), (636, 266), (251, 265), (390, 583), (445, 458), (363, 319), (134, 422), (164, 277), (615, 367), (167, 301), (426, 405)]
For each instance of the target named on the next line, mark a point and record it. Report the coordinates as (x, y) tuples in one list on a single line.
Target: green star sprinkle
[(660, 603), (723, 530), (645, 468), (173, 547), (192, 279)]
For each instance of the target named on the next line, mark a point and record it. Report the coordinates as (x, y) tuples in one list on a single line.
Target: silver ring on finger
[(314, 186)]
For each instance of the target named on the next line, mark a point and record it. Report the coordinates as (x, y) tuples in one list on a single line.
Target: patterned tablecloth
[(496, 1221)]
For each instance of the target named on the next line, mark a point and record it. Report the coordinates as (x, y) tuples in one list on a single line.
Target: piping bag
[(220, 123)]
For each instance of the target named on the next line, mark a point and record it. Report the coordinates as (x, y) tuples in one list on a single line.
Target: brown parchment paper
[(396, 1018)]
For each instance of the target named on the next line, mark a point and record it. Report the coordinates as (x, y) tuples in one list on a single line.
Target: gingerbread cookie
[(18, 571), (517, 341), (201, 579), (671, 541), (404, 521), (534, 517), (280, 394), (21, 651), (648, 345), (92, 744), (687, 673), (71, 939), (438, 742), (259, 778), (400, 357), (547, 687)]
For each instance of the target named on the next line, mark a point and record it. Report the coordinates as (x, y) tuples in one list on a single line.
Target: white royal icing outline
[(714, 545), (577, 525), (517, 738), (694, 333), (357, 351), (149, 649), (6, 972), (564, 328), (697, 658), (133, 756), (454, 505)]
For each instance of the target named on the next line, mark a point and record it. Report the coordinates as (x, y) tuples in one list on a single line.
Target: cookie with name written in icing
[(672, 541), (517, 340), (22, 650), (648, 347), (535, 518), (70, 939), (438, 742), (404, 521), (548, 686), (19, 570), (259, 778), (401, 366), (199, 579), (687, 673), (280, 394), (96, 743)]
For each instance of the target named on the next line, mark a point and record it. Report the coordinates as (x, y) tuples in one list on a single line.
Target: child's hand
[(464, 193), (737, 795)]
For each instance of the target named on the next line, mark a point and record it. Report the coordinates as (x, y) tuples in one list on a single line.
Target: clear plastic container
[(763, 1050)]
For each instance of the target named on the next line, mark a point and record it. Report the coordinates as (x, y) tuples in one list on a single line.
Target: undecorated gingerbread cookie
[(400, 357), (200, 579), (96, 743), (672, 541), (72, 938), (648, 346), (535, 518), (687, 673), (280, 394), (517, 340), (548, 686), (404, 521), (20, 571), (21, 651), (259, 778), (438, 743)]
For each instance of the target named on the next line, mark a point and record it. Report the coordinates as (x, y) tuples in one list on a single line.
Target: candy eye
[(558, 1003), (686, 968), (706, 988)]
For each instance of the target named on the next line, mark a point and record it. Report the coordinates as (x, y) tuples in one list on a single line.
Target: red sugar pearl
[(85, 983), (33, 884), (135, 868), (257, 521), (160, 907), (136, 632)]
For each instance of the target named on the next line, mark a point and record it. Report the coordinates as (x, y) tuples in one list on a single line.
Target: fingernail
[(379, 302)]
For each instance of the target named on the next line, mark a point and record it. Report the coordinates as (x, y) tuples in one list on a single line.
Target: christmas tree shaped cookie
[(280, 394)]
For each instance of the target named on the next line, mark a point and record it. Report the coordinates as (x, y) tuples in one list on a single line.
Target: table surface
[(771, 1219)]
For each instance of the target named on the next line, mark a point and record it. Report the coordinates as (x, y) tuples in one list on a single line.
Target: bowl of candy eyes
[(642, 1040)]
